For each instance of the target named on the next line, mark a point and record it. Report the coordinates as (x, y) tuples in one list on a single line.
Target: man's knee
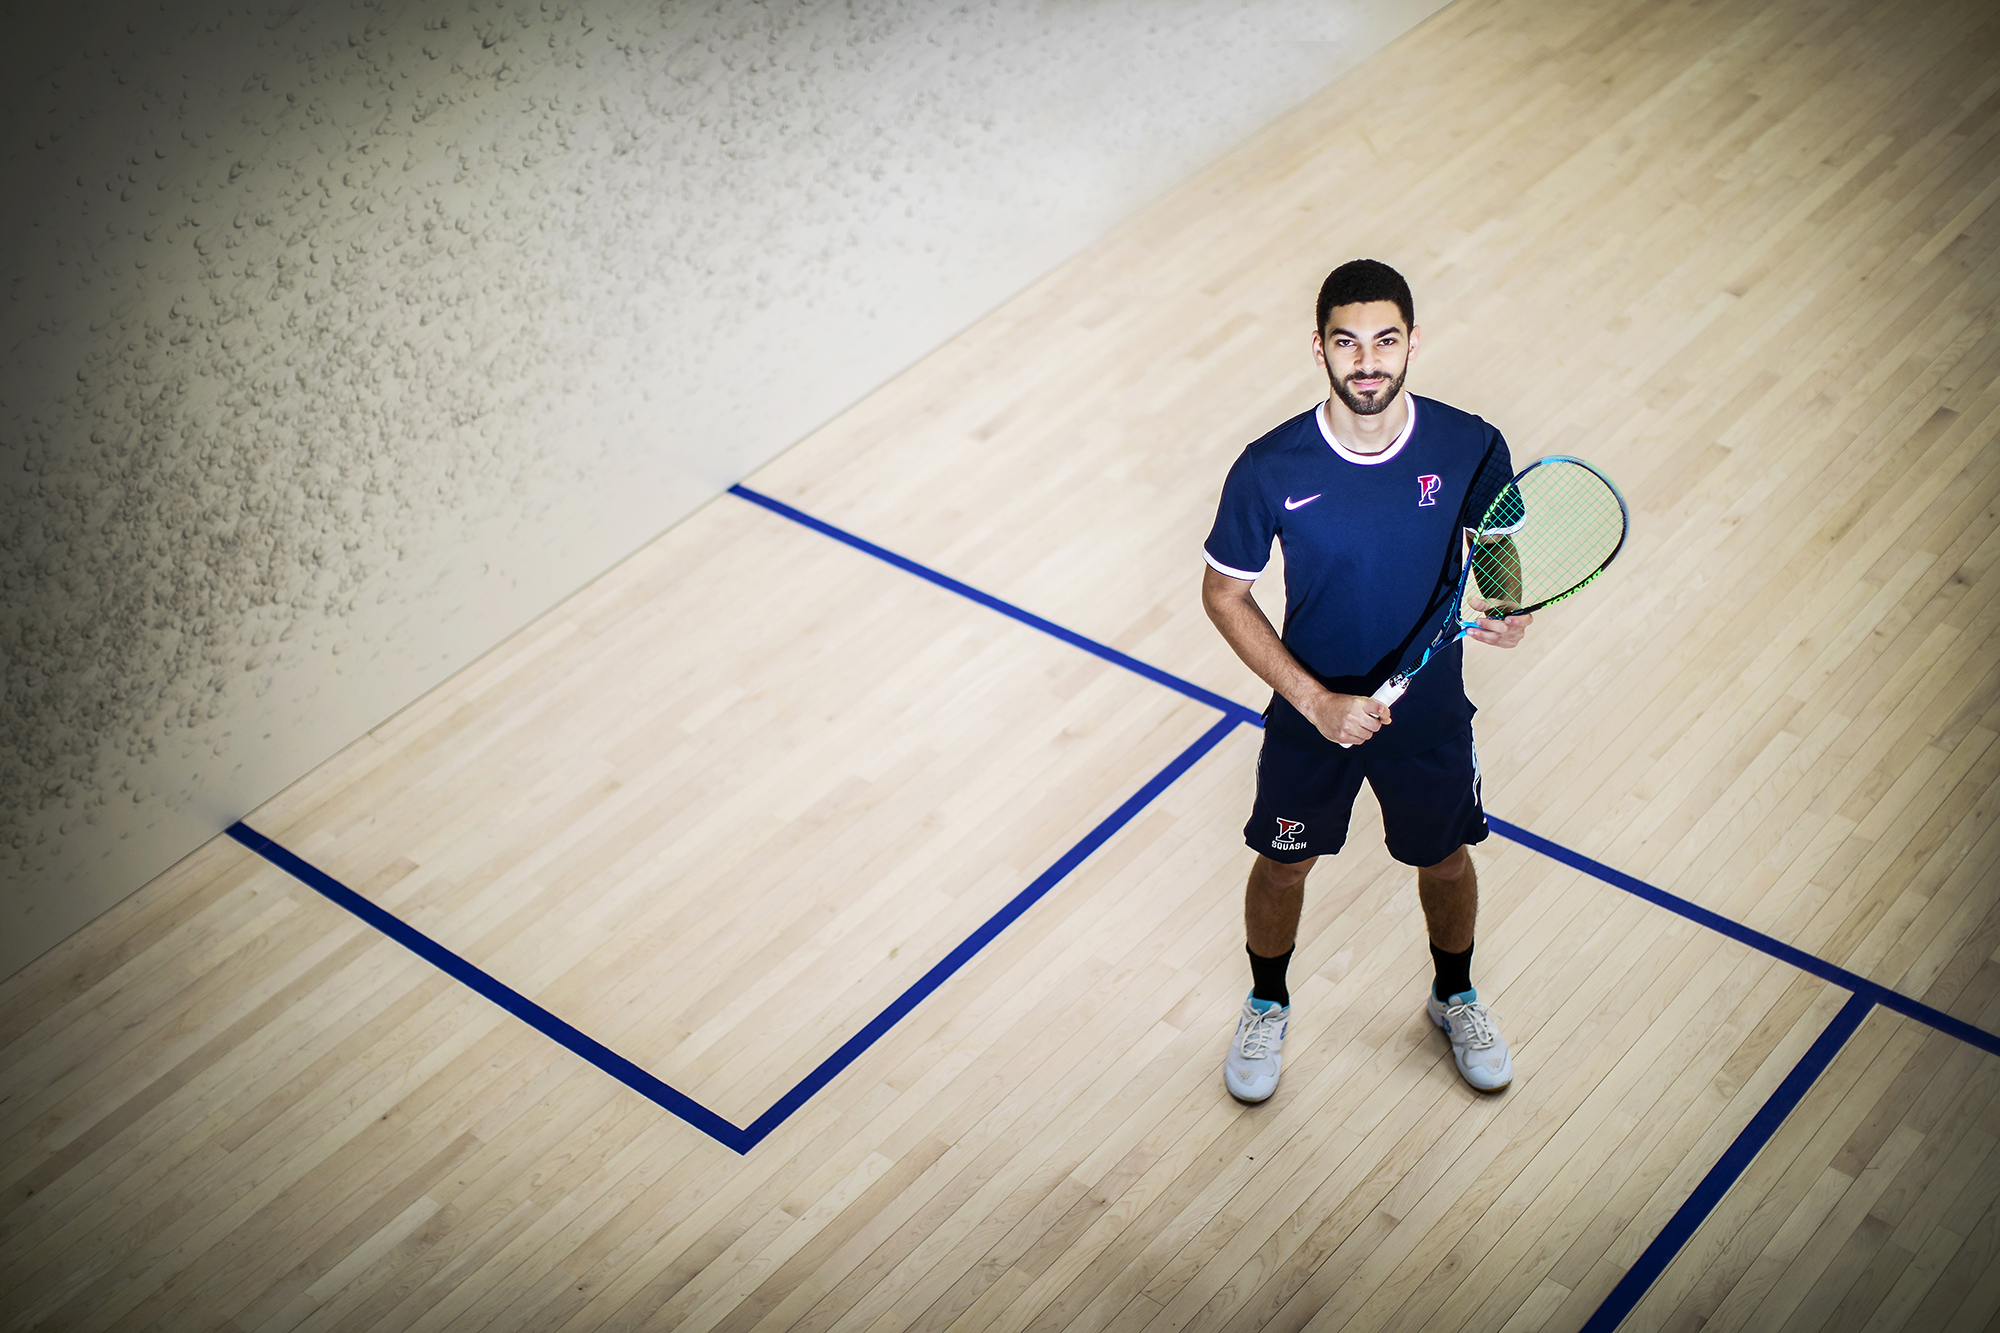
[(1280, 875)]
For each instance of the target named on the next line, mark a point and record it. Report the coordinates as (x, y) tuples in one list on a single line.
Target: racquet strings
[(1566, 521)]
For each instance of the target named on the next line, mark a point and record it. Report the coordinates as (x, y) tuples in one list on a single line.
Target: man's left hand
[(1504, 633)]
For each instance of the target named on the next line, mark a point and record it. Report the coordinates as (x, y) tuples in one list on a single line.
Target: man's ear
[(1319, 351), (1416, 337)]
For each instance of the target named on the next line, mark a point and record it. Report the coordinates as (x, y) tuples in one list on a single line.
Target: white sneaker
[(1476, 1045), (1251, 1070)]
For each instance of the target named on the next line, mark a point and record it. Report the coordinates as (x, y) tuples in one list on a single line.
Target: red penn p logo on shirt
[(1427, 489)]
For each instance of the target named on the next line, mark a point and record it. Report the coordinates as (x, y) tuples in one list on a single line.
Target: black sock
[(1454, 972), (1267, 977)]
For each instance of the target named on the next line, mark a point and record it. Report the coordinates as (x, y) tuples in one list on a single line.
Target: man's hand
[(1347, 719), (1501, 633)]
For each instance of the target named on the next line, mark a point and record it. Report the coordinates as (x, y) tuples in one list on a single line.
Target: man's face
[(1365, 352)]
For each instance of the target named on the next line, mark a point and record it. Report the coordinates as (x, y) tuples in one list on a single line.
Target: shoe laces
[(1261, 1030), (1477, 1024)]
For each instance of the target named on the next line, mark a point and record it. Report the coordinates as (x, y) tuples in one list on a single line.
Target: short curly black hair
[(1361, 280)]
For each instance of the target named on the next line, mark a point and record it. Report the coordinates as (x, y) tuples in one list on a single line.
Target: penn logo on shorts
[(1288, 835), (1427, 490)]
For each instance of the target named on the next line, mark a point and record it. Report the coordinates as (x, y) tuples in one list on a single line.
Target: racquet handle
[(1389, 691)]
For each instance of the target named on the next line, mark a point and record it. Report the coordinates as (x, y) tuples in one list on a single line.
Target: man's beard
[(1361, 407)]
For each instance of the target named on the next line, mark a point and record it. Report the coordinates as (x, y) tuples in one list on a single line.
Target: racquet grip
[(1388, 692), (1391, 689)]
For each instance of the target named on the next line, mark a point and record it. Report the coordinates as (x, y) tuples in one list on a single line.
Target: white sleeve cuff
[(1247, 576)]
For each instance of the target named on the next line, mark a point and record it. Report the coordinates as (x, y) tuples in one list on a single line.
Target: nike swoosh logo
[(1301, 504)]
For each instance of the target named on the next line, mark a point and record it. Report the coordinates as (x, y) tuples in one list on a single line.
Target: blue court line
[(501, 994), (1866, 994), (1681, 1227), (1227, 707), (992, 927), (1873, 991), (671, 1099)]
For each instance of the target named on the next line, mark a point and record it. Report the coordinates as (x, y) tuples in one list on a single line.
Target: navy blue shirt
[(1372, 542)]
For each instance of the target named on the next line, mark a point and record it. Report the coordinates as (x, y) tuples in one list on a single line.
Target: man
[(1370, 493)]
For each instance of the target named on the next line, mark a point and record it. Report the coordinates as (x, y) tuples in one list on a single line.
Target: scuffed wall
[(343, 338)]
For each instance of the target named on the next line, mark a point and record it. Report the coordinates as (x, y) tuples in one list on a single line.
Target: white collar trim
[(1369, 460)]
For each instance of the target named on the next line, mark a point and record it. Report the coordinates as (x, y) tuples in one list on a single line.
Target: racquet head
[(1546, 535)]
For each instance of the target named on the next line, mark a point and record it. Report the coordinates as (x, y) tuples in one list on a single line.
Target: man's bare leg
[(1449, 892), (1272, 902), (1275, 898), (1271, 905)]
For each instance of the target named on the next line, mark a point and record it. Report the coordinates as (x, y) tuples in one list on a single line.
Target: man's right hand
[(1347, 719)]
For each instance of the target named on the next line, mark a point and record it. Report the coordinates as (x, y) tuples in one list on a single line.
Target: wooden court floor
[(732, 803)]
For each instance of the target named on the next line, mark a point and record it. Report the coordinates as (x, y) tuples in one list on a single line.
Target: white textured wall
[(343, 338)]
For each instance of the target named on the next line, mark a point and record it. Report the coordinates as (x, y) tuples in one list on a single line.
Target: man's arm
[(1346, 718)]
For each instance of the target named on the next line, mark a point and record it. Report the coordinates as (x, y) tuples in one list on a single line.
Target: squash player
[(1369, 493)]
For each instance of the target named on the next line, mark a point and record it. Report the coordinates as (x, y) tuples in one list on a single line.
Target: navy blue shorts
[(1305, 792)]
